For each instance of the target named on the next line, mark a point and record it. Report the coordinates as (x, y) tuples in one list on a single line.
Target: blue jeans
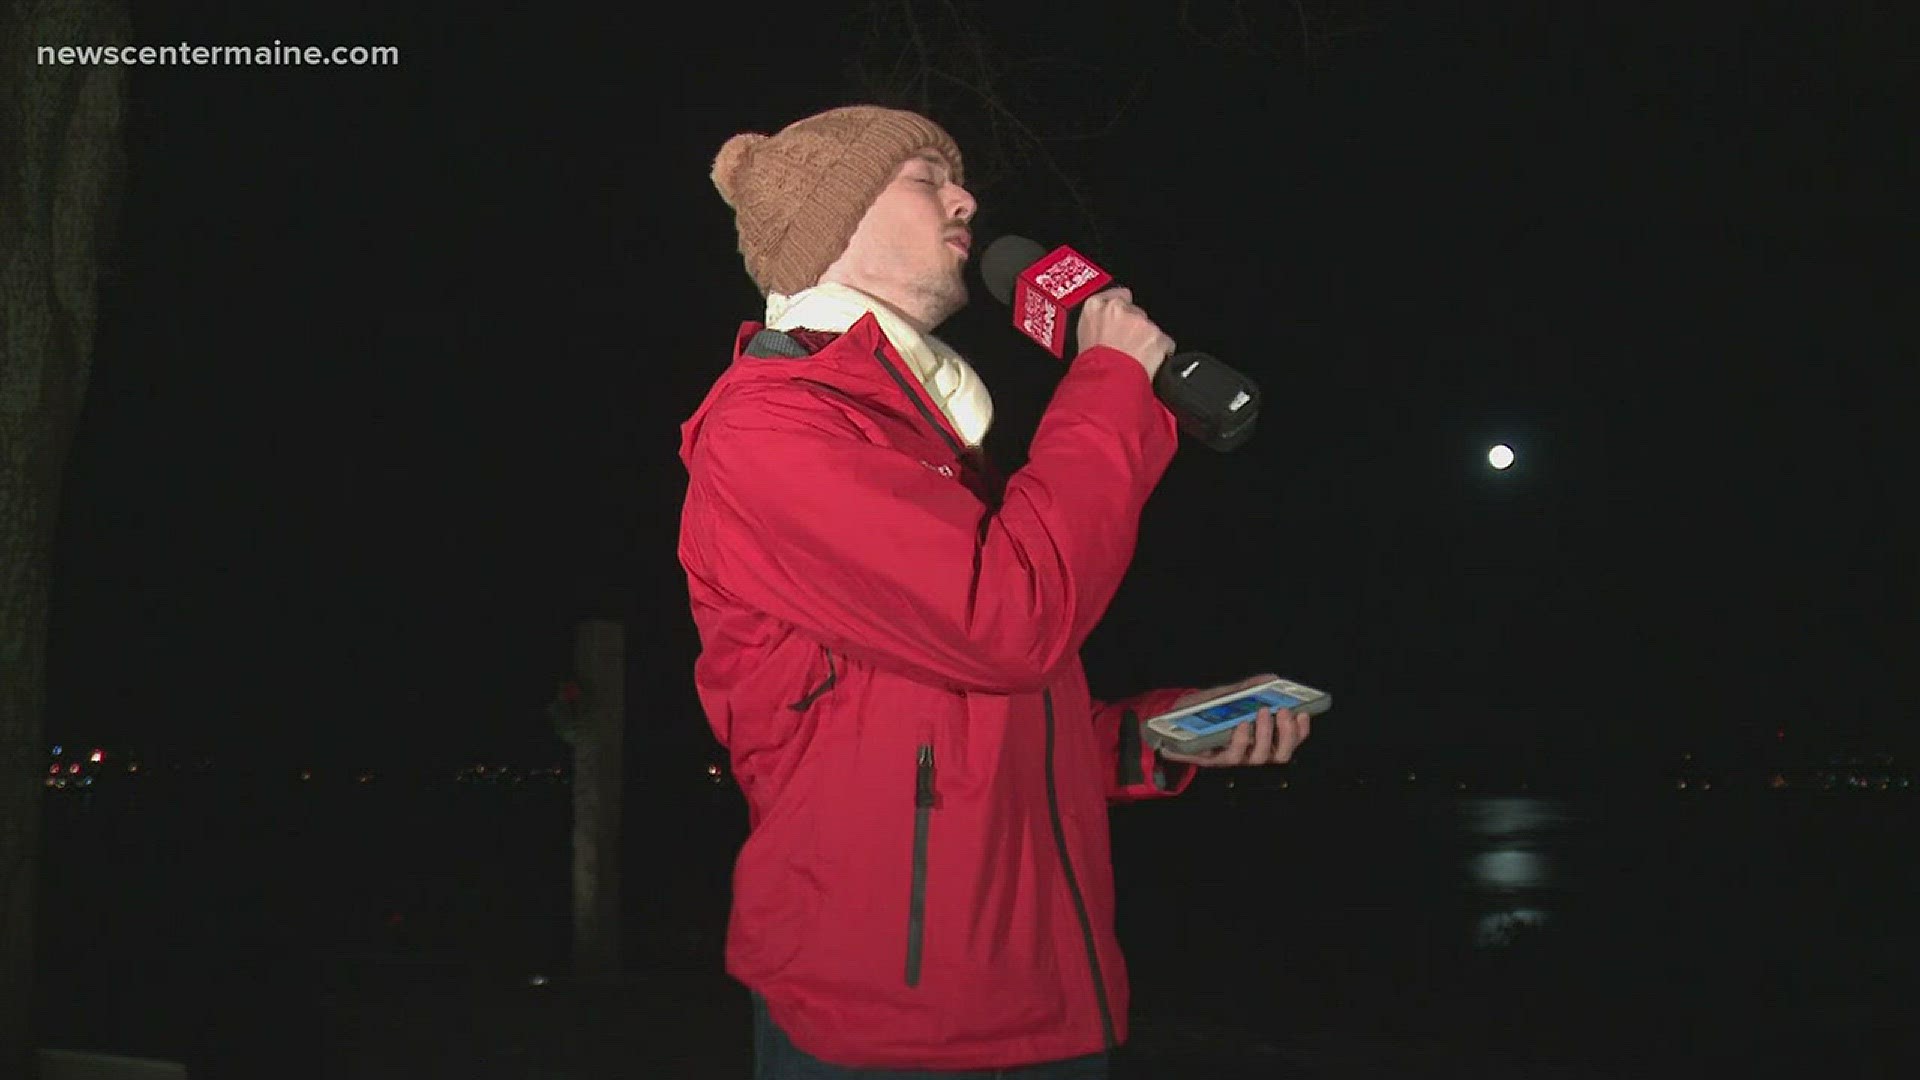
[(776, 1058)]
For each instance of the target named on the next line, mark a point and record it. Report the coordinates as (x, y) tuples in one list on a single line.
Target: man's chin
[(948, 300), (948, 311)]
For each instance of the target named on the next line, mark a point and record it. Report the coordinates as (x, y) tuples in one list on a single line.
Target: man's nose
[(964, 206)]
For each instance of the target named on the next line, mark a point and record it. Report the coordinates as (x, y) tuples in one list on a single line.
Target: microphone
[(1212, 402)]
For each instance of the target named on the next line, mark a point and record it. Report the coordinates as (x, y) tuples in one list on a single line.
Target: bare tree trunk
[(598, 774), (60, 172)]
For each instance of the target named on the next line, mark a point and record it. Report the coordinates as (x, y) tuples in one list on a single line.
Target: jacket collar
[(860, 363)]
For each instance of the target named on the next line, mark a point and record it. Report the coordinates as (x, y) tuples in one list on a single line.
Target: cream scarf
[(952, 382)]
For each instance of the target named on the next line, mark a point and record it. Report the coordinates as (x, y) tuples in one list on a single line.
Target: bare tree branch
[(916, 49), (1317, 26), (934, 43)]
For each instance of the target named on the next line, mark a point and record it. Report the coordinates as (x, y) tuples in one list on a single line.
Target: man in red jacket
[(890, 633)]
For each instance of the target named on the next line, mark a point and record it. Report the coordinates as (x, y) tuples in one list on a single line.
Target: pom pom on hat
[(731, 159)]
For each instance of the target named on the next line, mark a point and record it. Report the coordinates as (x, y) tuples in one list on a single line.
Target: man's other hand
[(1270, 739)]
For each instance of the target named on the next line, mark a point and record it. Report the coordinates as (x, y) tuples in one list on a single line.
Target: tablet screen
[(1239, 710)]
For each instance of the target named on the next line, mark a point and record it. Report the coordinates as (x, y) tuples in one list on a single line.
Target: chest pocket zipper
[(917, 897)]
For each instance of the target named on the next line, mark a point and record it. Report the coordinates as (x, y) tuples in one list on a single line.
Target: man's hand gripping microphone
[(1212, 402)]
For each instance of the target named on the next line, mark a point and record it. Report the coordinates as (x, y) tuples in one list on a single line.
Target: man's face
[(912, 245)]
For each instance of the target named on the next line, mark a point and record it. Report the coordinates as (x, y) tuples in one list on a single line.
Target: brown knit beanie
[(798, 196)]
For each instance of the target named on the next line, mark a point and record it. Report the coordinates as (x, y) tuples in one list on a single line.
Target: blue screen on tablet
[(1239, 710)]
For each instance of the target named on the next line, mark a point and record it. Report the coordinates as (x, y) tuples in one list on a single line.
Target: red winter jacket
[(890, 652)]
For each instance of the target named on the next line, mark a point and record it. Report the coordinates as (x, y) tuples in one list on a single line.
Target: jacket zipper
[(917, 899), (923, 767), (1073, 886), (933, 421), (923, 803)]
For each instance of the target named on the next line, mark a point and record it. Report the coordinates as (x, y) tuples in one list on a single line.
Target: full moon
[(1500, 457)]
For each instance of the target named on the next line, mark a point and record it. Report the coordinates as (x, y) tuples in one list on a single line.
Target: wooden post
[(61, 175), (598, 776)]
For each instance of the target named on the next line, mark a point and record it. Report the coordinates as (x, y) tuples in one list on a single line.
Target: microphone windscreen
[(1002, 262)]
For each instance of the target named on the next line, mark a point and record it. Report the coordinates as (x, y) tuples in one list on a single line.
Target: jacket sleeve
[(1132, 768), (794, 511)]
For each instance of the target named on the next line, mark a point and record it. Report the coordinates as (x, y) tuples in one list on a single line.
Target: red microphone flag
[(1046, 293)]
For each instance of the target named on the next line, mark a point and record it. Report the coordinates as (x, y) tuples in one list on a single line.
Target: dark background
[(391, 369), (387, 396)]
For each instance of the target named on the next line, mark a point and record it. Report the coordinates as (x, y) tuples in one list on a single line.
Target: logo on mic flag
[(1048, 290)]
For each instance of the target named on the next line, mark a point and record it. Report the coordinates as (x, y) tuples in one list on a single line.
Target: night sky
[(391, 371)]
